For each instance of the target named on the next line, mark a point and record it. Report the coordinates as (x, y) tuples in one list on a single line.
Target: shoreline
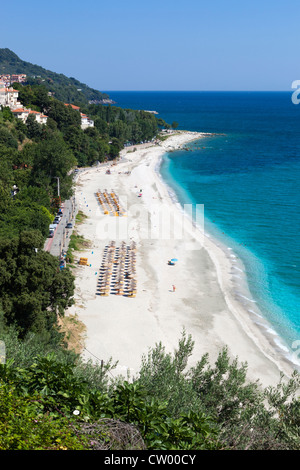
[(266, 339), (241, 288), (203, 304)]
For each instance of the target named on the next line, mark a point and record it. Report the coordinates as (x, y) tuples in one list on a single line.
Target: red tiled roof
[(72, 106), (20, 110), (8, 90)]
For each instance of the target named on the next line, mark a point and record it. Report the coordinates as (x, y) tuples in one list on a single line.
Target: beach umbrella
[(174, 259)]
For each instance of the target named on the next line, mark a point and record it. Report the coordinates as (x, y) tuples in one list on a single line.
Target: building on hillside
[(43, 119), (8, 79), (85, 120), (9, 97), (23, 113), (5, 79), (39, 117), (72, 106), (20, 78)]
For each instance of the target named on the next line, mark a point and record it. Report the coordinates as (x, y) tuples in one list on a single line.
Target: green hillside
[(66, 89)]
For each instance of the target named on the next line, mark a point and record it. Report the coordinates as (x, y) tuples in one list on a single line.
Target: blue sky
[(159, 45)]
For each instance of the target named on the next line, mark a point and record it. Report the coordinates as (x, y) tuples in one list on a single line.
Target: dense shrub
[(225, 410)]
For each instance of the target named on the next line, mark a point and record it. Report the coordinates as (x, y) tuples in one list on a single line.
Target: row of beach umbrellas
[(110, 202), (118, 270)]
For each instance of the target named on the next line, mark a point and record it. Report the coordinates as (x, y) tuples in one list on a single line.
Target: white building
[(18, 77), (23, 113), (86, 121), (9, 97), (40, 117)]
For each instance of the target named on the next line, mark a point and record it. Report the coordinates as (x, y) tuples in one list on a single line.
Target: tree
[(119, 131), (34, 194), (136, 132), (52, 158), (101, 125), (34, 129), (161, 123), (24, 215), (33, 289), (7, 114), (7, 139), (7, 158), (64, 116), (5, 198), (115, 148), (164, 376), (248, 417)]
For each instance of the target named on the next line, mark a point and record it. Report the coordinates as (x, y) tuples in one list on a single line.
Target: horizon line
[(201, 91)]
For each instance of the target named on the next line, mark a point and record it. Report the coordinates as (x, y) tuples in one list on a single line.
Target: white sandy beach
[(204, 302)]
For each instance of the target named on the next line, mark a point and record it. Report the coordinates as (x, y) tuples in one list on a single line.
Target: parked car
[(69, 225), (51, 233)]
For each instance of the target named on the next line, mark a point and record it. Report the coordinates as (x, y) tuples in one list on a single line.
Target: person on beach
[(174, 288)]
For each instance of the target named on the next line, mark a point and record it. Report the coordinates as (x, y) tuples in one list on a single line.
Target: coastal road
[(60, 240), (61, 237)]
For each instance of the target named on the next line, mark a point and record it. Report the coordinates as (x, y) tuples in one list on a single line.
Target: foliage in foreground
[(25, 426), (59, 392), (167, 406)]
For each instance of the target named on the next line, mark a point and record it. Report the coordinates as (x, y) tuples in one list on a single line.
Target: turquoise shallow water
[(247, 177)]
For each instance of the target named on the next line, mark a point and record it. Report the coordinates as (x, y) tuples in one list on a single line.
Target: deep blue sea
[(247, 176)]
